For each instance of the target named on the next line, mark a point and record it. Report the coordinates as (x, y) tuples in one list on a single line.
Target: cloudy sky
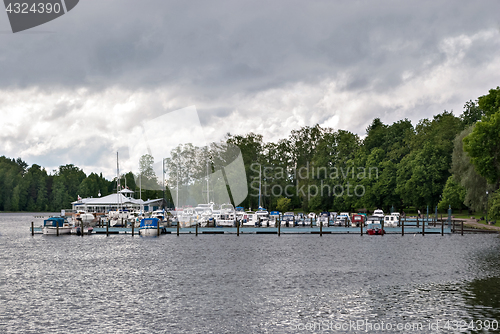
[(76, 89)]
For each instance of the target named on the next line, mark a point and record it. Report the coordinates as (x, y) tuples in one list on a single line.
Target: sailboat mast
[(260, 184), (208, 182), (118, 182)]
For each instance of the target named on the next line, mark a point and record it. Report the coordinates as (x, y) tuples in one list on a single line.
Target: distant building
[(113, 202)]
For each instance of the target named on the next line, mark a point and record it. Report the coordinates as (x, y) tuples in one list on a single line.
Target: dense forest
[(449, 160)]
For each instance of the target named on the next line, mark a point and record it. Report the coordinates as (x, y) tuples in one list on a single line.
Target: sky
[(109, 73)]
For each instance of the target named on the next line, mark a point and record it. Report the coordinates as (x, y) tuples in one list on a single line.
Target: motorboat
[(323, 219), (374, 226), (378, 213), (263, 218), (227, 215), (149, 227), (357, 220), (56, 225), (249, 219), (391, 221)]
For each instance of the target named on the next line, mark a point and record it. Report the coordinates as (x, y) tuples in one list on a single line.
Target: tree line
[(447, 161)]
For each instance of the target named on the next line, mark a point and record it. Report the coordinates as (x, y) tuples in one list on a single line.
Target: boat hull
[(375, 232), (148, 232), (53, 230)]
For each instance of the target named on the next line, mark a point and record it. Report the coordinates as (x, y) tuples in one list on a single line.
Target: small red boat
[(374, 226)]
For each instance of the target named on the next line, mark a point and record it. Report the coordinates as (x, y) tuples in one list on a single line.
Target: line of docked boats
[(211, 215)]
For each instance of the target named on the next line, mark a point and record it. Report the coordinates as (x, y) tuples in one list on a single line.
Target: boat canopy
[(54, 222), (149, 222)]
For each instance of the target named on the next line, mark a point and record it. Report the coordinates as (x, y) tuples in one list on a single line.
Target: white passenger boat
[(149, 227), (263, 218), (391, 221), (55, 225), (227, 216), (249, 219)]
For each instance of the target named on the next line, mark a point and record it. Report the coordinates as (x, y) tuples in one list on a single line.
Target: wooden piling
[(178, 223), (237, 228), (158, 229), (57, 228), (403, 227), (279, 227), (462, 228), (417, 222), (320, 228), (82, 227), (133, 223), (107, 227), (383, 227), (196, 228), (32, 229), (423, 228), (361, 227), (442, 227)]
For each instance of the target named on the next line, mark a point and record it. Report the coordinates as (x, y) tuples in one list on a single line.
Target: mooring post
[(383, 231), (417, 222), (158, 228), (32, 229), (361, 226), (57, 228), (442, 228), (133, 223), (423, 228), (107, 227), (320, 228), (403, 226), (196, 228), (279, 228), (237, 228), (178, 223), (82, 227), (462, 228)]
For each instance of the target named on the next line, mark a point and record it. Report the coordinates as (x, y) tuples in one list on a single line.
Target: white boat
[(378, 213), (249, 219), (227, 216), (186, 217), (55, 225), (263, 218), (391, 221), (160, 214), (86, 218), (323, 219), (149, 227)]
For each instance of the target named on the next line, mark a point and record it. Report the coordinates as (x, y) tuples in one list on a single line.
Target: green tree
[(453, 194), (471, 114), (494, 206), (464, 173), (483, 147), (284, 204)]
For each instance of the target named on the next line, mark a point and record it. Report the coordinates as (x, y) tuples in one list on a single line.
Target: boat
[(343, 219), (374, 226), (55, 225), (324, 218), (378, 213), (391, 221), (149, 227), (249, 219), (227, 216), (84, 217), (357, 220), (263, 218)]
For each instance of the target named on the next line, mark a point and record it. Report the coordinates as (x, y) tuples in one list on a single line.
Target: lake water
[(246, 284)]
